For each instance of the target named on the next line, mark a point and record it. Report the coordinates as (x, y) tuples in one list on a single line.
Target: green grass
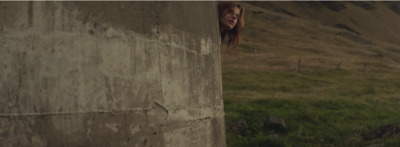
[(327, 108)]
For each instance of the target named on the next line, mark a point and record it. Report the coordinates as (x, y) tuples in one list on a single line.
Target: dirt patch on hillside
[(345, 27), (364, 5), (286, 12), (355, 38)]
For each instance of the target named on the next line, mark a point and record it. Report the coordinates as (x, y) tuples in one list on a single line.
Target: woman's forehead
[(234, 8)]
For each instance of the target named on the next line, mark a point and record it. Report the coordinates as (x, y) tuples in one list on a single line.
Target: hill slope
[(323, 35)]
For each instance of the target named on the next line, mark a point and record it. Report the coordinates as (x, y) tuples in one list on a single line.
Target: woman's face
[(229, 20)]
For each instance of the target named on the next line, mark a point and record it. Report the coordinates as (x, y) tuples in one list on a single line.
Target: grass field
[(320, 108)]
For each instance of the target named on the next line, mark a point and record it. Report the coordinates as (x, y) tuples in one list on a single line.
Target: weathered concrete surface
[(110, 74)]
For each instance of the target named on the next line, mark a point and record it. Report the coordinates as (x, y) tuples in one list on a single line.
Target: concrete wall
[(110, 74)]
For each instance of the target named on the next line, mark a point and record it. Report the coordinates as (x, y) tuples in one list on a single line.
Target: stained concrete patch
[(110, 74)]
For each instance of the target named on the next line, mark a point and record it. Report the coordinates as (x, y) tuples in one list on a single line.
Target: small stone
[(238, 127), (276, 120), (275, 124)]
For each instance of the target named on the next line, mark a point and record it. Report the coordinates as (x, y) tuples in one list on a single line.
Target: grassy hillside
[(347, 87), (320, 34)]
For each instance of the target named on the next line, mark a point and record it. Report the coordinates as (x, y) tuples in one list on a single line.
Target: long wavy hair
[(234, 34)]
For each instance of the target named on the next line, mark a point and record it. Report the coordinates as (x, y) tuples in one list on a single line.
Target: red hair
[(234, 34)]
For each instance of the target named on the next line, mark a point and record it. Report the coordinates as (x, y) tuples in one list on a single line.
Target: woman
[(231, 22)]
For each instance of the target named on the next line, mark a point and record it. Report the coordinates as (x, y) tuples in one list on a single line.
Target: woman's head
[(231, 22)]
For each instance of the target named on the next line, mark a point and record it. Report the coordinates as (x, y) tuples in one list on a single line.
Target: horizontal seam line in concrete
[(77, 112), (197, 107), (88, 112)]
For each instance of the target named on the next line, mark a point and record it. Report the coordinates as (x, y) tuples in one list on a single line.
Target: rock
[(276, 120), (238, 127), (385, 131), (275, 124)]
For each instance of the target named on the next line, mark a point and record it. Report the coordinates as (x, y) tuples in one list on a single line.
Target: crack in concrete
[(161, 106), (181, 124)]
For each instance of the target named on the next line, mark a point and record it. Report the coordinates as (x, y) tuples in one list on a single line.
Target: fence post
[(299, 66), (365, 65), (338, 66), (255, 59)]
